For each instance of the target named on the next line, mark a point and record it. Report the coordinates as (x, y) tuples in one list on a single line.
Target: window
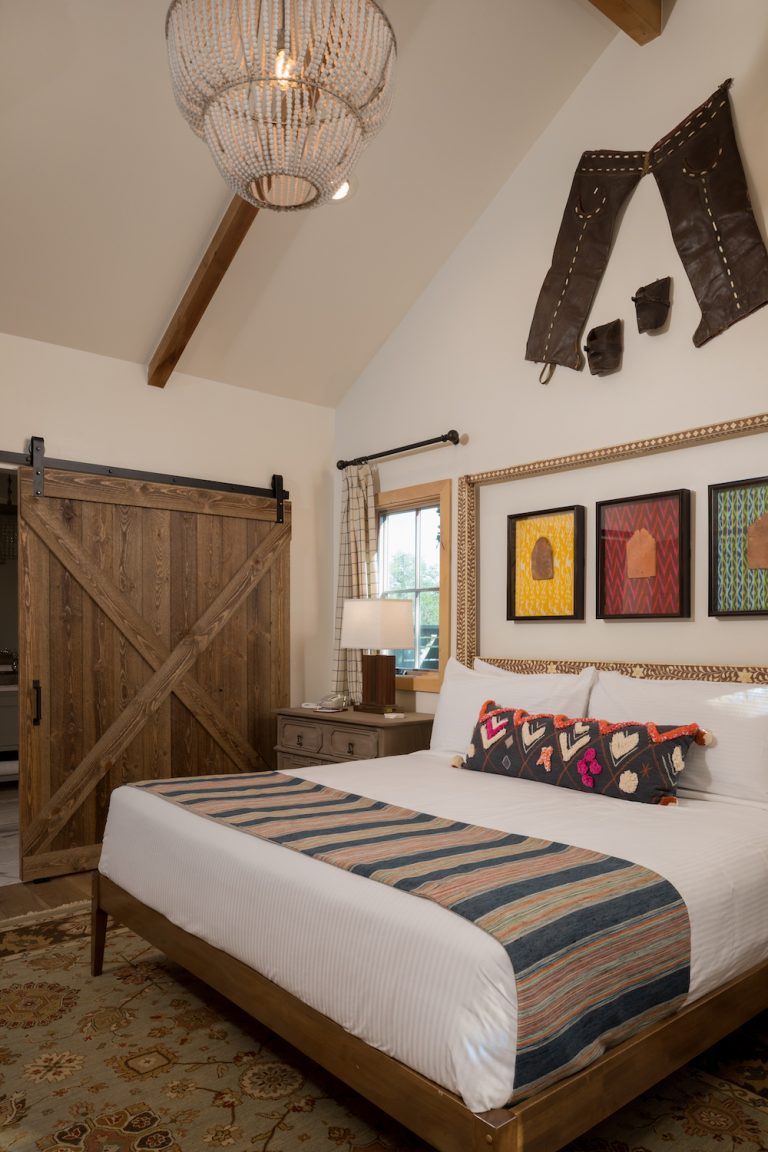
[(414, 556)]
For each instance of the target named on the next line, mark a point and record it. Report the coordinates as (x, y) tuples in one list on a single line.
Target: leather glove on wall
[(652, 305), (604, 347)]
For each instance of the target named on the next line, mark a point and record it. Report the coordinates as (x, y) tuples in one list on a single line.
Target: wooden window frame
[(404, 500)]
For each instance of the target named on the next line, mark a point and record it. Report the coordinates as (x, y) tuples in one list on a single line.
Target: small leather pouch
[(604, 347), (652, 305)]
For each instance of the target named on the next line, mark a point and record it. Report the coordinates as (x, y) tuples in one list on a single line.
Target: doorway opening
[(9, 680)]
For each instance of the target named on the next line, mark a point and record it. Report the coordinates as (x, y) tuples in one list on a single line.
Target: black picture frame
[(567, 556), (648, 593), (736, 588)]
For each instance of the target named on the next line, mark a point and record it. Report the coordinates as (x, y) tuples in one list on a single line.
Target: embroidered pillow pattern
[(630, 761)]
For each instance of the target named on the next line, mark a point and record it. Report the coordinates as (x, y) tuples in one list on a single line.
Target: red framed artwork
[(644, 557)]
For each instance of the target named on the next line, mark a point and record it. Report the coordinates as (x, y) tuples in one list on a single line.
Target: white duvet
[(402, 973)]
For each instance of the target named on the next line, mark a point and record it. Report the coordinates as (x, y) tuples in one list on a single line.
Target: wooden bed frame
[(542, 1123), (557, 1115)]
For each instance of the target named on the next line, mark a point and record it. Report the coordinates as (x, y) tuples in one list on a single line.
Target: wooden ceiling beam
[(640, 19), (210, 272)]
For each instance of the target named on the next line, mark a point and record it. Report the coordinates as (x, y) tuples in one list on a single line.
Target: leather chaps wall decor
[(701, 179), (600, 188)]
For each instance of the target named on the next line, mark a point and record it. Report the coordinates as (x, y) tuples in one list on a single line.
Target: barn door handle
[(38, 691)]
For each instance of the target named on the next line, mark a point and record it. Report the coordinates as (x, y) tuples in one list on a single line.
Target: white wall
[(457, 360), (100, 410)]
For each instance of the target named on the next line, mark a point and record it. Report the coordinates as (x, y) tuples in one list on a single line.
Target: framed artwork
[(644, 557), (738, 548), (545, 565)]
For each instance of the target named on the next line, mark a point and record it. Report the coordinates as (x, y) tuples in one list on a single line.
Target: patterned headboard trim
[(735, 674)]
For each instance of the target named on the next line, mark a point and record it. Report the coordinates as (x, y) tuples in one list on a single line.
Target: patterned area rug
[(146, 1058)]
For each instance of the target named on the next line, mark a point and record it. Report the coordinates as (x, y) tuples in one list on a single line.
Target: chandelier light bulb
[(285, 93), (285, 66)]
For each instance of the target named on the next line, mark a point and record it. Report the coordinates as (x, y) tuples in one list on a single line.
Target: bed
[(405, 1001)]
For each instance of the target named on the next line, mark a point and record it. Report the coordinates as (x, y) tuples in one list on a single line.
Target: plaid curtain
[(357, 569)]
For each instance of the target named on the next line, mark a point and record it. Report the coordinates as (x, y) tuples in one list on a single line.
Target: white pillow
[(735, 765), (464, 692)]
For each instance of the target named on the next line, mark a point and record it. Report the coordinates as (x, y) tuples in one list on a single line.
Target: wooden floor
[(16, 899), (9, 832)]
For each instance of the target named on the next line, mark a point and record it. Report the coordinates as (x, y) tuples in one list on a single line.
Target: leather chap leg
[(601, 186), (699, 172)]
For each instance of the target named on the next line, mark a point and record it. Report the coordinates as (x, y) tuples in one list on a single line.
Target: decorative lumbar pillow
[(630, 761)]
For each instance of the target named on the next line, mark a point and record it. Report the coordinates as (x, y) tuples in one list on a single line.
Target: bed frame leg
[(98, 930)]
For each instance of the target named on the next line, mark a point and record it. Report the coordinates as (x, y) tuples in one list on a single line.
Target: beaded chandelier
[(285, 93)]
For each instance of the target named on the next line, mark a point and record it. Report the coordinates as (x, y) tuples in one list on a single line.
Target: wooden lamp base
[(378, 684)]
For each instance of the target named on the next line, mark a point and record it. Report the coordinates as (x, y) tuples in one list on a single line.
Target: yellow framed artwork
[(545, 564)]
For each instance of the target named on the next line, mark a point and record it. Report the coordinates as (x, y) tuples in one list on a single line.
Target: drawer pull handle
[(350, 748), (300, 740)]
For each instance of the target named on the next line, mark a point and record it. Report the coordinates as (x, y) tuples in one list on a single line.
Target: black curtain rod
[(451, 437)]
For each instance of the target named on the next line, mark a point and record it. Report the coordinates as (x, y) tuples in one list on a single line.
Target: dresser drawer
[(288, 763), (349, 743), (302, 735), (306, 738)]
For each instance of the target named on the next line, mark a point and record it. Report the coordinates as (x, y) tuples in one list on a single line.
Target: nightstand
[(305, 737)]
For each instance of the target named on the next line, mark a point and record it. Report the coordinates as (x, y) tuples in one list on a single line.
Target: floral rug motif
[(146, 1058)]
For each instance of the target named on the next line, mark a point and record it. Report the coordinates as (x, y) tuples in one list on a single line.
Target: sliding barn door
[(153, 633)]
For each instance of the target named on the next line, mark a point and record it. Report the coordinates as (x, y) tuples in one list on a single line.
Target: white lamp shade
[(377, 624)]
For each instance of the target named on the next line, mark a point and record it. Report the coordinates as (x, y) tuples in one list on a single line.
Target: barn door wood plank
[(149, 698), (65, 611), (130, 668), (134, 628), (212, 570), (34, 663), (221, 550), (100, 648), (156, 611), (268, 665), (185, 729), (61, 862), (150, 494)]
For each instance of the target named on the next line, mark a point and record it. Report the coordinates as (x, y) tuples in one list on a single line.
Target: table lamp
[(377, 624)]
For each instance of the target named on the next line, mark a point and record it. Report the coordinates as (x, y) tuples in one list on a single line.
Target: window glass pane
[(405, 658), (429, 547), (410, 563), (397, 551), (409, 569), (428, 630)]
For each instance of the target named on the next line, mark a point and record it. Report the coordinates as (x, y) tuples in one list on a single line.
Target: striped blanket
[(600, 947)]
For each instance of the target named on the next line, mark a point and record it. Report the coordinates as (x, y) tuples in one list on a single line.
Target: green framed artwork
[(738, 548)]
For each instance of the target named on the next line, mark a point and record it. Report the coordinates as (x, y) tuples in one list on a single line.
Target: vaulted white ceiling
[(107, 200)]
